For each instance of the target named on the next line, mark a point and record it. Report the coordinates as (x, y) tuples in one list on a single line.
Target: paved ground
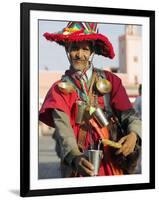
[(49, 163)]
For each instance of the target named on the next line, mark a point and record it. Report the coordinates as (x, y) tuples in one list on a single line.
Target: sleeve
[(66, 147), (55, 99), (130, 121), (122, 106)]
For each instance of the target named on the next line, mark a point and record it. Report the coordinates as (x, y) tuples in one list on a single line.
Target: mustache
[(78, 59)]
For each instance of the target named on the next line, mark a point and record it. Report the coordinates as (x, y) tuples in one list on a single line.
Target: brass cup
[(103, 86), (66, 87), (81, 111)]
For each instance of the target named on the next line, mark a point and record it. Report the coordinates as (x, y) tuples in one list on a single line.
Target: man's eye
[(73, 48), (86, 49)]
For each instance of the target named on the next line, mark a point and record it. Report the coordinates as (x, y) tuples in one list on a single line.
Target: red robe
[(55, 99)]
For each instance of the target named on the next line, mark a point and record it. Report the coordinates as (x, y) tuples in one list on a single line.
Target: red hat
[(80, 31)]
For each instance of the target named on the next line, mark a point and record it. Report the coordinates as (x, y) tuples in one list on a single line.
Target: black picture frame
[(25, 9)]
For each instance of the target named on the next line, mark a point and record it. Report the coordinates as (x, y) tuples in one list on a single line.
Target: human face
[(80, 53)]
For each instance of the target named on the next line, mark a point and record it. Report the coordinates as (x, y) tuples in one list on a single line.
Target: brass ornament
[(103, 86), (66, 87)]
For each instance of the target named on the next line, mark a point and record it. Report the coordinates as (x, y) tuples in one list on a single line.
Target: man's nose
[(79, 53)]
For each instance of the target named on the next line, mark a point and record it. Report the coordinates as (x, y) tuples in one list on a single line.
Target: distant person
[(138, 102), (81, 91)]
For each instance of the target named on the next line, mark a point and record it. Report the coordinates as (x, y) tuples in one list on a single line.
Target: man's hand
[(83, 166), (128, 144)]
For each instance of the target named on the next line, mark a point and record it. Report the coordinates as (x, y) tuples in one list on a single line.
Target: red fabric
[(57, 100), (67, 103), (118, 97)]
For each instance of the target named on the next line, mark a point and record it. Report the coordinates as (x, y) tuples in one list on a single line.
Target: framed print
[(87, 99)]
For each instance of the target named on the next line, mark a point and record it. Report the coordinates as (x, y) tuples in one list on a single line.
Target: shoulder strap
[(106, 97), (80, 93)]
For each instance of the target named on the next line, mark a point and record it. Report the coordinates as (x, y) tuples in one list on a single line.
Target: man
[(75, 132)]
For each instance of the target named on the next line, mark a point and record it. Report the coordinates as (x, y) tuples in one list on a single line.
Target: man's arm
[(64, 135), (130, 121), (69, 151), (132, 130)]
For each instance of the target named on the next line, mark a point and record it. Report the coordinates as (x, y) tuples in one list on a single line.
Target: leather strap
[(84, 126), (92, 96), (82, 137)]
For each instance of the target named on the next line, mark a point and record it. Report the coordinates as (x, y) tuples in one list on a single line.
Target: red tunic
[(55, 99)]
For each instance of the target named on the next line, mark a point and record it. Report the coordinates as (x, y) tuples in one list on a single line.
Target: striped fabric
[(86, 26)]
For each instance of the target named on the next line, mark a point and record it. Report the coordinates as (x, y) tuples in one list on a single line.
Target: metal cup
[(81, 110), (100, 117), (103, 86), (95, 157)]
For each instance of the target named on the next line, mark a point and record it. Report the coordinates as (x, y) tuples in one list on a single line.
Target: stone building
[(130, 54)]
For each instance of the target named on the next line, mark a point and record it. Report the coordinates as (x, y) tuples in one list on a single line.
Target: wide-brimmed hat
[(83, 31)]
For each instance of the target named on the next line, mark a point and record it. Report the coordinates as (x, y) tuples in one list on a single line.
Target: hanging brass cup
[(81, 105), (103, 86), (66, 87)]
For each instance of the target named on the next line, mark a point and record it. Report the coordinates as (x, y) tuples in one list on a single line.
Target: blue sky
[(53, 56)]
